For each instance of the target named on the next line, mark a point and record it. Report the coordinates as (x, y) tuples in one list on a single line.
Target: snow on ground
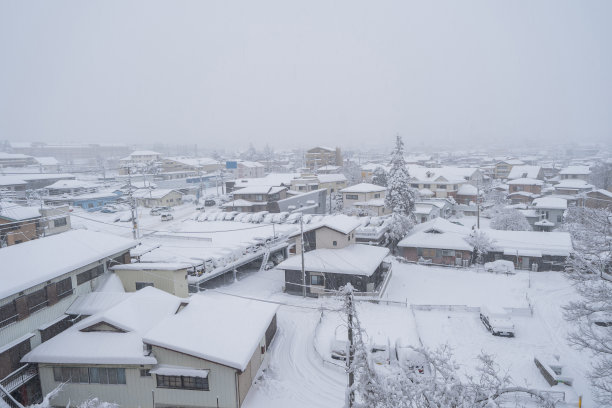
[(431, 285), (298, 377)]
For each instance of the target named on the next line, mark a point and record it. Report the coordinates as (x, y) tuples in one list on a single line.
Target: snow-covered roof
[(526, 181), (14, 212), (250, 164), (582, 170), (241, 203), (341, 223), (354, 259), (157, 193), (548, 243), (602, 192), (374, 166), (145, 153), (423, 209), (544, 223), (47, 161), (467, 189), (573, 183), (272, 179), (375, 202), (438, 234), (134, 316), (363, 188), (4, 156), (193, 161), (152, 266), (55, 256), (62, 184), (553, 203), (518, 172), (331, 178), (425, 192), (219, 328), (96, 302), (260, 190), (445, 174), (514, 162), (329, 149)]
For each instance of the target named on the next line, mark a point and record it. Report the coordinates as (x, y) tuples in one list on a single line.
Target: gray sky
[(291, 74)]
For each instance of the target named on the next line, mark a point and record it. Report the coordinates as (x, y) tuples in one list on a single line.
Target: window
[(37, 300), (335, 243), (187, 383), (426, 252), (145, 372), (64, 287), (59, 222), (8, 314), (90, 274), (414, 185), (426, 185), (352, 197), (448, 252), (89, 375), (90, 205), (559, 218), (316, 280), (140, 285), (377, 195)]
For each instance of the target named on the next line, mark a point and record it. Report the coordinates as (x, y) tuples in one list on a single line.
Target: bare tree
[(589, 269)]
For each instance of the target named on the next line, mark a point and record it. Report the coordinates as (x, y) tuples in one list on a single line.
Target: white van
[(497, 321)]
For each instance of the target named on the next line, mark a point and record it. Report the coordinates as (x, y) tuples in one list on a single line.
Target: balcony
[(19, 377)]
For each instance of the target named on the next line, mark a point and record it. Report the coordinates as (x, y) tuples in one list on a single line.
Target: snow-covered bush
[(509, 219)]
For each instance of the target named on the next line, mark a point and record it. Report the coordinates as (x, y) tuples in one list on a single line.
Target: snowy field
[(301, 373)]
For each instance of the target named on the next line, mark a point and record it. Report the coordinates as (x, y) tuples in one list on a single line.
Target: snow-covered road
[(296, 376)]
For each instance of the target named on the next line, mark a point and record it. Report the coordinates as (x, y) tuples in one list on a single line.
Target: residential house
[(442, 242), (88, 201), (575, 173), (158, 198), (16, 160), (255, 198), (332, 232), (18, 224), (524, 190), (332, 182), (16, 186), (329, 169), (365, 196), (526, 172), (55, 220), (367, 171), (270, 180), (466, 193), (439, 242), (551, 209), (443, 181), (329, 269), (166, 276), (424, 212), (153, 346), (504, 167), (36, 291), (71, 187), (190, 164), (572, 187), (311, 202), (245, 169), (48, 164), (598, 199), (322, 156)]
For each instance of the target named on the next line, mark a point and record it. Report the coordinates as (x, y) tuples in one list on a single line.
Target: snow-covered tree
[(91, 402), (482, 244), (379, 177), (601, 176), (589, 269), (400, 196), (446, 386), (510, 219)]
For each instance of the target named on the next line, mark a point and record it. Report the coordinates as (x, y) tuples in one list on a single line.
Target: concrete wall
[(173, 282)]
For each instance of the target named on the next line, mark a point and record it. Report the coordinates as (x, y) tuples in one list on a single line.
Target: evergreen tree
[(379, 177), (400, 196)]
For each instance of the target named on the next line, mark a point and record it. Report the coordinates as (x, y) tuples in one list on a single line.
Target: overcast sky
[(294, 74)]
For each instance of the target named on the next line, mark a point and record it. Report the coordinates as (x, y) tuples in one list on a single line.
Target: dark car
[(209, 203)]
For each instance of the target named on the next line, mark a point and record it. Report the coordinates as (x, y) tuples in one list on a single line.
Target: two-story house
[(575, 172), (524, 190), (255, 198), (366, 196), (551, 209), (18, 224), (39, 280)]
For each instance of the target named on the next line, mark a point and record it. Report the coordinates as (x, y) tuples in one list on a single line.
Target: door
[(525, 263)]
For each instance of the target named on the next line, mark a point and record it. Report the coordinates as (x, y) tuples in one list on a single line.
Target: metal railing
[(19, 377)]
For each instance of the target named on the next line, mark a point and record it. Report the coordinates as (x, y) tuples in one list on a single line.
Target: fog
[(293, 74)]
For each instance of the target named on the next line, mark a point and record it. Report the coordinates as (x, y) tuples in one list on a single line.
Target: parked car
[(108, 210), (497, 321), (500, 266), (409, 358), (200, 207), (339, 348), (210, 203), (167, 217), (601, 318), (380, 350), (167, 209), (155, 211)]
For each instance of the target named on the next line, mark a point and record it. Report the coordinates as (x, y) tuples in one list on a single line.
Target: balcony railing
[(19, 377)]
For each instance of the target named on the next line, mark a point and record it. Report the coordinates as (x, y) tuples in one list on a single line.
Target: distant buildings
[(321, 156)]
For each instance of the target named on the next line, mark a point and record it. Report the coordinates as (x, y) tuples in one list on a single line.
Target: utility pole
[(133, 210), (478, 201), (302, 244), (200, 176), (349, 357)]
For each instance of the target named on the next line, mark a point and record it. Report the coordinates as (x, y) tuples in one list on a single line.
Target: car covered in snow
[(409, 358), (380, 350), (155, 211), (167, 217), (339, 348), (500, 266), (497, 321)]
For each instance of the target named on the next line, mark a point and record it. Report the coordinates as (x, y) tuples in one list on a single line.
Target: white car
[(409, 358), (497, 321), (380, 350), (339, 348), (167, 217)]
